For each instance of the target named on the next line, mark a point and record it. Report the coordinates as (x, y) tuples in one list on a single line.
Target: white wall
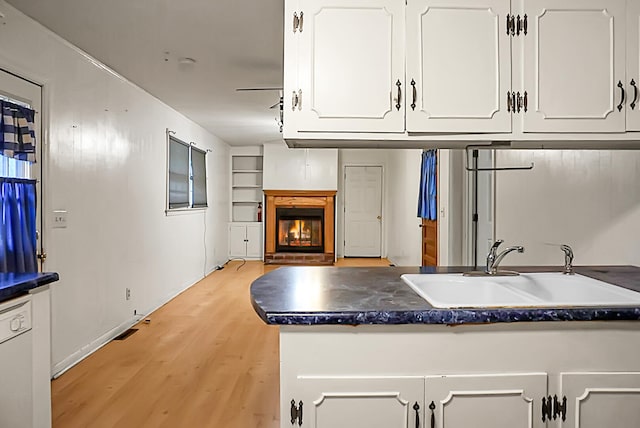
[(587, 199), (299, 169), (105, 161)]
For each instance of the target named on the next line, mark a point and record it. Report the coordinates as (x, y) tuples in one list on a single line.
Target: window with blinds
[(187, 176)]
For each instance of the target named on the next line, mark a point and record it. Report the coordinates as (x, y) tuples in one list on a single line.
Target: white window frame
[(191, 147)]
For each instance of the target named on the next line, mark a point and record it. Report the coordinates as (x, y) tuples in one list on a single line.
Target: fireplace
[(299, 227), (299, 230)]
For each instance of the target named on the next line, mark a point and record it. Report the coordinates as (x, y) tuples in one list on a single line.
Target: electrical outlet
[(59, 219), (128, 294)]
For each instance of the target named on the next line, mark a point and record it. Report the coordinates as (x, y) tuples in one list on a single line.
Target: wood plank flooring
[(204, 360)]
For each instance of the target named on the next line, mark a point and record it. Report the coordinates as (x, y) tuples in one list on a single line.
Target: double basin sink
[(547, 289)]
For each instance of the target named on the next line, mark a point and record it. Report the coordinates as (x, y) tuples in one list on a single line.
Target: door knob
[(379, 217)]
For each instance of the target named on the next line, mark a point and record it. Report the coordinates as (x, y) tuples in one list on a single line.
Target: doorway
[(363, 211), (23, 92)]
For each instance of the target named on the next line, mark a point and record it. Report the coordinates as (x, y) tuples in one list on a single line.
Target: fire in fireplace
[(299, 230)]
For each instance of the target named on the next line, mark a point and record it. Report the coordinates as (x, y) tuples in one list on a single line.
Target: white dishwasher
[(16, 364)]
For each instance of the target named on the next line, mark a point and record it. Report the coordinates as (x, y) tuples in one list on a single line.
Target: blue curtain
[(427, 206), (18, 227)]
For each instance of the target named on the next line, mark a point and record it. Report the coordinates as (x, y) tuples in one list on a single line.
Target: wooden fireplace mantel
[(324, 199)]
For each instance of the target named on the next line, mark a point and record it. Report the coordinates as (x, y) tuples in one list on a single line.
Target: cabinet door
[(237, 240), (358, 402), (633, 64), (496, 401), (458, 66), (254, 240), (574, 60), (596, 400), (350, 60)]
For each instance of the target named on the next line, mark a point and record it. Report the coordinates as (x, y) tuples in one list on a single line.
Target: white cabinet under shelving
[(245, 240)]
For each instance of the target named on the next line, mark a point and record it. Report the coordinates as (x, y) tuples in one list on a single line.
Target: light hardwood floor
[(204, 360)]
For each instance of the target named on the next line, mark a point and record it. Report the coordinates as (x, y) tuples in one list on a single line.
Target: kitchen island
[(359, 348)]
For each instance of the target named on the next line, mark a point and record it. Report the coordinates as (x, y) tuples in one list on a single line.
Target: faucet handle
[(568, 259), (496, 244)]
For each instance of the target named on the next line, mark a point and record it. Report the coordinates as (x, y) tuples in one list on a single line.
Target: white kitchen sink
[(548, 289)]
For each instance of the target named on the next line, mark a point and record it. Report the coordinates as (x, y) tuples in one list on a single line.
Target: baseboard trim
[(60, 368), (73, 359)]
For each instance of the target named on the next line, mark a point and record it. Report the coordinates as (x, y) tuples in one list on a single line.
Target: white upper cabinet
[(633, 64), (574, 66), (350, 66), (458, 66)]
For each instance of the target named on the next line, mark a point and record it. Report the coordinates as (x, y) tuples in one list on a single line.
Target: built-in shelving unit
[(245, 231), (246, 186)]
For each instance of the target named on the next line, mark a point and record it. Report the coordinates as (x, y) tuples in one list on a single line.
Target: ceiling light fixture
[(186, 60)]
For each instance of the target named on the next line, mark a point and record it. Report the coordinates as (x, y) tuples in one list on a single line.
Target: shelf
[(254, 171), (247, 186)]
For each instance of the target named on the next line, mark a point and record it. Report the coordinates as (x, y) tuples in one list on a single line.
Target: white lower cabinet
[(384, 402), (491, 401), (596, 400), (245, 240), (512, 400)]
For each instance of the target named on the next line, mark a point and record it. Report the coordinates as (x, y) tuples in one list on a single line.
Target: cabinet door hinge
[(552, 408), (511, 25), (517, 102), (522, 25), (296, 413), (298, 21), (517, 25)]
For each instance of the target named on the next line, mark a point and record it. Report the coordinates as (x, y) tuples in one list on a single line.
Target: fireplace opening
[(300, 230)]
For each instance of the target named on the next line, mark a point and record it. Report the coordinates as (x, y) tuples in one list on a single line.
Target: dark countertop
[(16, 284), (377, 295)]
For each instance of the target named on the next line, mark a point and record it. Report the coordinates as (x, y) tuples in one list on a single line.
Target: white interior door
[(363, 211), (22, 91), (574, 62), (459, 65)]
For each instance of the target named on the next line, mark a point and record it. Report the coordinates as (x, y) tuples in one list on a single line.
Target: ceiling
[(235, 43)]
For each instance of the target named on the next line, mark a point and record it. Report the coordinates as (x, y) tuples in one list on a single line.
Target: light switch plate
[(59, 219)]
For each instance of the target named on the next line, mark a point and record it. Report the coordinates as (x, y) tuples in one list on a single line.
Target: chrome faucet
[(568, 259), (494, 259)]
